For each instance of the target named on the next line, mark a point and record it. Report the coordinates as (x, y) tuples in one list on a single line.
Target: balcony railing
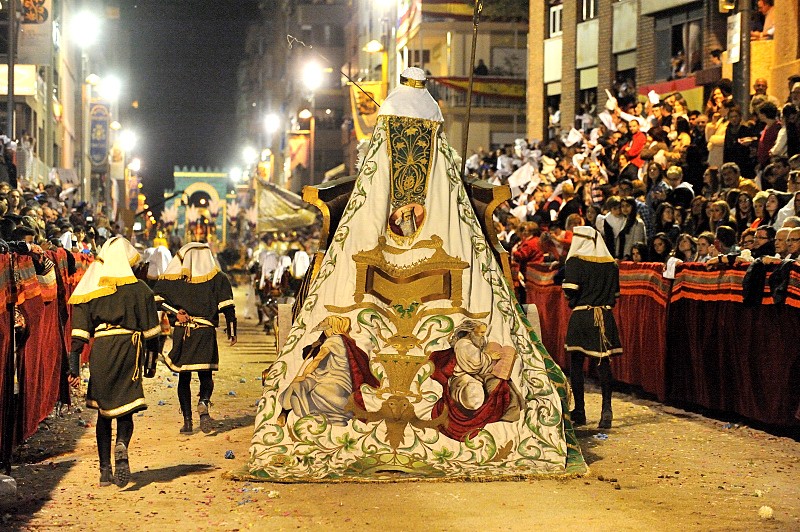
[(32, 171), (487, 92)]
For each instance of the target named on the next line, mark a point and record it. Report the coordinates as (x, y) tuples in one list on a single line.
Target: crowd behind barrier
[(38, 383), (692, 340)]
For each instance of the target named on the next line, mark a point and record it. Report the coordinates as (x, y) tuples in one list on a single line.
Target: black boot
[(578, 415), (185, 400), (123, 470), (205, 418), (606, 416), (106, 476), (187, 424)]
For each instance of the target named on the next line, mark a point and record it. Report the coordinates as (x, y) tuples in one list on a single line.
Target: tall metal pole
[(12, 52), (312, 148), (86, 101), (476, 16), (741, 70)]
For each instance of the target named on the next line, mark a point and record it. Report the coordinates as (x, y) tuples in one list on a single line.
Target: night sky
[(184, 59)]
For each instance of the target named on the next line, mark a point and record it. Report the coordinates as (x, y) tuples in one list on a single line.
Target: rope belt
[(105, 329), (599, 321), (193, 323)]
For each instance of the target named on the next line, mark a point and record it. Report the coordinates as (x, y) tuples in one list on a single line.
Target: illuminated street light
[(374, 46), (127, 140), (305, 114), (116, 126), (271, 123), (135, 165), (109, 88), (312, 76), (235, 174), (250, 155), (85, 28)]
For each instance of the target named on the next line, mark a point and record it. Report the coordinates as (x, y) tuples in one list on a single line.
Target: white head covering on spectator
[(411, 98), (300, 264), (283, 264), (269, 261), (146, 254), (193, 263), (588, 244), (111, 268), (159, 260)]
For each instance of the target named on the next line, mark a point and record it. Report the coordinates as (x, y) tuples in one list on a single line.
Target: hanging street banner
[(364, 110), (36, 32), (99, 114), (510, 88), (409, 17), (298, 150), (25, 80)]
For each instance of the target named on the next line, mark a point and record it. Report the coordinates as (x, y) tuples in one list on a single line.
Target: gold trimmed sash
[(80, 333), (599, 322), (104, 329), (193, 323)]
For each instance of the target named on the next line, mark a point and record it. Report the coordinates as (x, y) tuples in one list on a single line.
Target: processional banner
[(364, 109), (36, 32)]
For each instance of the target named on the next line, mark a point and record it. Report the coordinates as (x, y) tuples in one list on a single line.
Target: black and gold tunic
[(124, 325), (194, 346), (592, 289)]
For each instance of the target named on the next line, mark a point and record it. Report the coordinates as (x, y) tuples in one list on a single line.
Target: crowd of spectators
[(660, 181), (38, 217)]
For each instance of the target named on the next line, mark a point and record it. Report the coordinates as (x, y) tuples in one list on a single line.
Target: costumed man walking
[(119, 311), (591, 284), (194, 291)]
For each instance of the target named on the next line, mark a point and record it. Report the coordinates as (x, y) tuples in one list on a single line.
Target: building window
[(625, 87), (553, 104), (586, 108), (588, 9), (554, 27), (682, 54), (419, 58)]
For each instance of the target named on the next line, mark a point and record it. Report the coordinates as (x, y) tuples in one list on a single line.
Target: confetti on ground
[(766, 512)]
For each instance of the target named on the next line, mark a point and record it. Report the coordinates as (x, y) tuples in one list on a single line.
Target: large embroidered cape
[(408, 269)]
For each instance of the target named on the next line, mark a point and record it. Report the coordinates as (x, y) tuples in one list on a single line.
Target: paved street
[(658, 469)]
